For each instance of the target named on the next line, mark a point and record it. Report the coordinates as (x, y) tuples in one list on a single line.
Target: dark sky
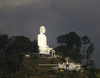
[(24, 17)]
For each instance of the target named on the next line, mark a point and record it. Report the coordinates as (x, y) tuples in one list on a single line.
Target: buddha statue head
[(42, 29)]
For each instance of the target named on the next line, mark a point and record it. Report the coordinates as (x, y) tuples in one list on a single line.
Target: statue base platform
[(46, 53)]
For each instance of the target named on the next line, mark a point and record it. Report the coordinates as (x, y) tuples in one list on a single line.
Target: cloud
[(74, 15), (10, 4)]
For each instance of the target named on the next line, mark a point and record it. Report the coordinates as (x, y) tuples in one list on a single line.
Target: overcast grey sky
[(24, 17)]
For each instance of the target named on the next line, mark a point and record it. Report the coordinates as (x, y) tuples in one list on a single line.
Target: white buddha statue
[(42, 42)]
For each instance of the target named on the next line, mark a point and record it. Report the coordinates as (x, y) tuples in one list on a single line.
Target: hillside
[(31, 70)]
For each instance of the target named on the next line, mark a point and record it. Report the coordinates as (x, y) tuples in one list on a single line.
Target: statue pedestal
[(52, 53), (43, 52)]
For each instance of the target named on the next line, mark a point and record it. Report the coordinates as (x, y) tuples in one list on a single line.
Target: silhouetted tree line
[(12, 52), (76, 47), (13, 49)]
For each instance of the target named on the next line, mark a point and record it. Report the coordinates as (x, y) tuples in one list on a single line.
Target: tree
[(12, 52), (75, 56), (71, 40), (62, 39), (85, 41), (3, 43), (16, 48), (70, 46), (34, 46), (89, 52), (62, 50), (20, 45)]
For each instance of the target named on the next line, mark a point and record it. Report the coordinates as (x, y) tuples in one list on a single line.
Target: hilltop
[(31, 70)]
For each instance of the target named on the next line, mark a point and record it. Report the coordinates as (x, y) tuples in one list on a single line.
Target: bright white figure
[(42, 42)]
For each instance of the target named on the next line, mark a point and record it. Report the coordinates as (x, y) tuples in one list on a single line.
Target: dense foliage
[(13, 63), (12, 53), (71, 45)]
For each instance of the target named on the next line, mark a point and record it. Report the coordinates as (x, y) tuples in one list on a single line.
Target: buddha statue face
[(42, 29)]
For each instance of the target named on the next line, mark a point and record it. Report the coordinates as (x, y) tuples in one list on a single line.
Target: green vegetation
[(14, 64), (30, 69), (72, 44)]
